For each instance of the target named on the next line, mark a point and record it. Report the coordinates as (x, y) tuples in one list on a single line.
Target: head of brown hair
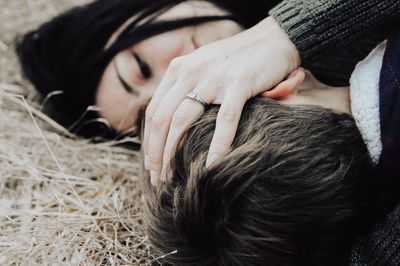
[(293, 190)]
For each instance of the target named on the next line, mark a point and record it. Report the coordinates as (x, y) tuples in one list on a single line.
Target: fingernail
[(154, 178), (146, 162), (212, 159)]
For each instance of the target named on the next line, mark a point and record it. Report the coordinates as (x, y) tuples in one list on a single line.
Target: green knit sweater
[(332, 36), (320, 26)]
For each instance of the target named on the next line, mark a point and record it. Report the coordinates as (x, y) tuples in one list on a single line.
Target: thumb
[(286, 87)]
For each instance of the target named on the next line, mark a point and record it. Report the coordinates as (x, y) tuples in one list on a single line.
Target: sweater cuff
[(298, 23), (323, 26)]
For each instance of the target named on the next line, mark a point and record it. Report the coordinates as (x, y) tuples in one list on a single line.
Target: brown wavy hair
[(293, 190)]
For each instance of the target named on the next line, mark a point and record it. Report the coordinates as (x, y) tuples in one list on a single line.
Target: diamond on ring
[(197, 97)]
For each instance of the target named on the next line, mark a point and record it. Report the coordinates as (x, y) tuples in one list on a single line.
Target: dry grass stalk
[(63, 201)]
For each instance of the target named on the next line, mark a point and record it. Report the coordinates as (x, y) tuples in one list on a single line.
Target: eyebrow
[(123, 82)]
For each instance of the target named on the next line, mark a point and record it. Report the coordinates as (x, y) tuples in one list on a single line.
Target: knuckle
[(192, 68), (175, 63), (181, 117), (228, 115), (157, 122), (153, 161)]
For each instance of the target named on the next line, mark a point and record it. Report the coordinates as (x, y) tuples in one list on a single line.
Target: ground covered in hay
[(63, 201)]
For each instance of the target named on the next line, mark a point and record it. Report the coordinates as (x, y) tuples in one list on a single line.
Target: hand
[(226, 72)]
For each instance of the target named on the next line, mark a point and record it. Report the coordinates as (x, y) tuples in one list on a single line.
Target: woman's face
[(131, 78)]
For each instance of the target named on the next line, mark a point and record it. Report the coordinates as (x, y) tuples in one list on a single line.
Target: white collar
[(364, 95)]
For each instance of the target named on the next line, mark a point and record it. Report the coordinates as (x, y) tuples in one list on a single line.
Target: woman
[(113, 53), (71, 52)]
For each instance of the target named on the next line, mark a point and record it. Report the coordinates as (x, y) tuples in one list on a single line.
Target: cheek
[(115, 105), (161, 49)]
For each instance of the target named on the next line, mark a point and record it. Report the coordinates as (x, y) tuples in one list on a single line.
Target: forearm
[(317, 26)]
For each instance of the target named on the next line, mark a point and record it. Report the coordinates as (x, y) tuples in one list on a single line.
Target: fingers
[(214, 63), (226, 125), (158, 127), (186, 114), (165, 85), (286, 87)]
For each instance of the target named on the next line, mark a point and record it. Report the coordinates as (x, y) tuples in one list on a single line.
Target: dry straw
[(63, 201)]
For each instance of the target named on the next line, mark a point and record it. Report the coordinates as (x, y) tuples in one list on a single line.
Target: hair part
[(293, 190)]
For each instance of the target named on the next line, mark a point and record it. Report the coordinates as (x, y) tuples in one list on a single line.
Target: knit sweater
[(321, 26), (382, 246)]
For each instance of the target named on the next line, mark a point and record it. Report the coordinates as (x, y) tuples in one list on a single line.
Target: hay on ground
[(63, 201)]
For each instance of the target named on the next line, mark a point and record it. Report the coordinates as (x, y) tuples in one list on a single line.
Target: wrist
[(274, 32)]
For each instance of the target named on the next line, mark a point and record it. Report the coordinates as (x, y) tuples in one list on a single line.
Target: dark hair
[(68, 53), (293, 190)]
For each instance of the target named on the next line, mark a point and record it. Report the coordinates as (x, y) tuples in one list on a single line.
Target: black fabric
[(382, 245)]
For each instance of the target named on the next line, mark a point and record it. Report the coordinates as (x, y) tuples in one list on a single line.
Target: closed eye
[(143, 66), (124, 84)]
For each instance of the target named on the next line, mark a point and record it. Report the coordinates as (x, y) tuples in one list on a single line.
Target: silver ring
[(197, 97)]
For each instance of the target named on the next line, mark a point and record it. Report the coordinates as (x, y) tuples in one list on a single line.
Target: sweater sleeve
[(382, 245), (317, 26)]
